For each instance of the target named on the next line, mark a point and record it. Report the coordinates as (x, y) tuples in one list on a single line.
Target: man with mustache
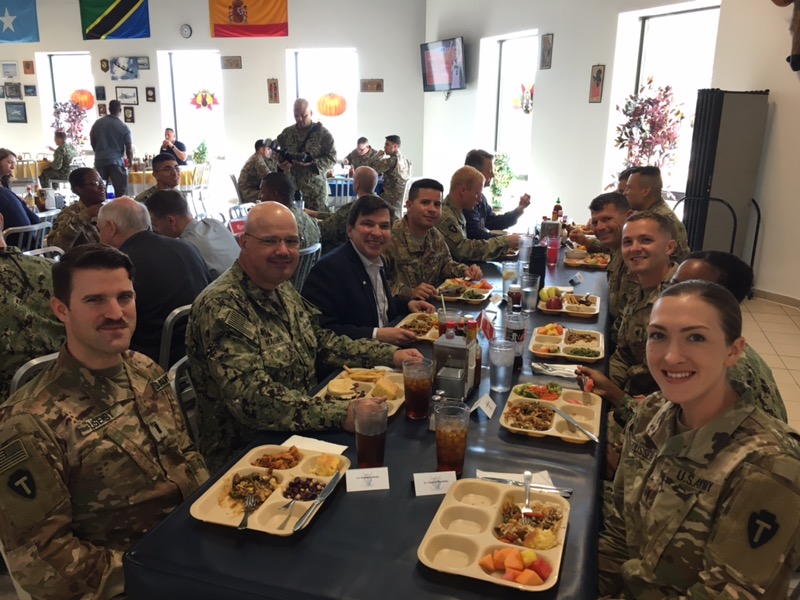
[(349, 285), (254, 345), (95, 451)]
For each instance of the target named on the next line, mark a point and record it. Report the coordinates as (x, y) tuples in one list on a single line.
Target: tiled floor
[(773, 330)]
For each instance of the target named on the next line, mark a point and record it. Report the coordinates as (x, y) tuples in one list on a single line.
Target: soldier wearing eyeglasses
[(167, 174), (254, 344), (76, 224)]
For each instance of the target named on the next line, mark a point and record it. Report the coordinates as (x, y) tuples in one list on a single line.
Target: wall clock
[(186, 30)]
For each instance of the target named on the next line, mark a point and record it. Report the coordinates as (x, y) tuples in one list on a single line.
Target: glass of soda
[(452, 423), (417, 382), (370, 420)]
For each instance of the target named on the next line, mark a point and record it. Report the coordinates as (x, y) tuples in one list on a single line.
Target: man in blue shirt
[(111, 141)]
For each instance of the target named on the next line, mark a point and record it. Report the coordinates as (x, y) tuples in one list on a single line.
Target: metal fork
[(250, 504), (527, 511), (288, 506)]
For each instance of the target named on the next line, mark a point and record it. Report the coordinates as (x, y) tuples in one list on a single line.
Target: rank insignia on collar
[(761, 528), (21, 482)]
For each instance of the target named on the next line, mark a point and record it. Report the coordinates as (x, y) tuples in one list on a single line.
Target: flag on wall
[(114, 19), (249, 18), (18, 22)]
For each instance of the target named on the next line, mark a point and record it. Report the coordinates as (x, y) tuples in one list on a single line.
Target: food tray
[(484, 292), (572, 310), (594, 260), (432, 334), (540, 342), (584, 407), (366, 387), (463, 530), (216, 506)]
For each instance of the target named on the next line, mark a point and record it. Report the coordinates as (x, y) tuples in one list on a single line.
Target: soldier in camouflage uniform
[(418, 259), (317, 142), (94, 449), (279, 187), (396, 171), (706, 496), (465, 193), (166, 173), (28, 328), (361, 155), (643, 191), (333, 229), (254, 344), (61, 165), (76, 224), (258, 166)]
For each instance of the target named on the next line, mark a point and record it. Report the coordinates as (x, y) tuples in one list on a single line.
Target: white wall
[(570, 137), (312, 24)]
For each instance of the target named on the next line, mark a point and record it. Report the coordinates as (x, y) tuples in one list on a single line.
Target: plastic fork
[(527, 511), (250, 504), (288, 508)]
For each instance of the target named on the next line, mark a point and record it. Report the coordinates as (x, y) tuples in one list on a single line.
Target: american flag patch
[(12, 454)]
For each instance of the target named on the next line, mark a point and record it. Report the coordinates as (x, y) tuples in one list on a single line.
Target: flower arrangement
[(650, 133), (503, 176), (71, 119), (200, 154)]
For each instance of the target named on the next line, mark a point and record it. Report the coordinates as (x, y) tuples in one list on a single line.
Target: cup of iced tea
[(417, 382), (370, 422), (452, 422)]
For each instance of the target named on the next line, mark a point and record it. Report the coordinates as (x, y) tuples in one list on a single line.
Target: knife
[(320, 499), (569, 419), (566, 492)]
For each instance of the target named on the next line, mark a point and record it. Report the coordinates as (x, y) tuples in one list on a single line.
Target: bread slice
[(386, 387)]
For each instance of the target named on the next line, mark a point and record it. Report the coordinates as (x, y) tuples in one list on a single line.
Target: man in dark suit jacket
[(349, 286), (169, 272)]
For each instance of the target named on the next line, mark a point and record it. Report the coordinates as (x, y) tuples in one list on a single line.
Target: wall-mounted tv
[(443, 65)]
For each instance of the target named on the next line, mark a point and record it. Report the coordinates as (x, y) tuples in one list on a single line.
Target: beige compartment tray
[(431, 335), (484, 293), (584, 407), (573, 310), (595, 260), (463, 531), (539, 343), (367, 387), (216, 505)]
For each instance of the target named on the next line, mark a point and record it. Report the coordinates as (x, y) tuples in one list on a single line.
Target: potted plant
[(652, 127), (503, 176), (200, 154), (70, 118)]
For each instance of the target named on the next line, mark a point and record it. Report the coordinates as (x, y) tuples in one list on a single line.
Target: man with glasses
[(254, 345), (167, 174), (362, 306), (76, 224)]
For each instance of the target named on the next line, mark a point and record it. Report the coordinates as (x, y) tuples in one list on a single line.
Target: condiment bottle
[(450, 330), (436, 397), (515, 332), (514, 295), (29, 201), (557, 210), (472, 335)]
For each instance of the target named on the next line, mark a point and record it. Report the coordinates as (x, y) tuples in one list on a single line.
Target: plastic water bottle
[(110, 191)]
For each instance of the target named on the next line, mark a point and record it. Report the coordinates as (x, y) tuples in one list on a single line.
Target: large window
[(70, 72)]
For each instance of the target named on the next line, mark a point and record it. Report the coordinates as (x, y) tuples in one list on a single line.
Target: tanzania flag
[(114, 19), (249, 18), (18, 21)]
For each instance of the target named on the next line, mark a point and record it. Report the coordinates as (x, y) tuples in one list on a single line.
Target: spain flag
[(114, 19), (249, 18)]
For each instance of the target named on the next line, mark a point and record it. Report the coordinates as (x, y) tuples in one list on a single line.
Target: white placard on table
[(367, 480), (486, 404), (431, 484)]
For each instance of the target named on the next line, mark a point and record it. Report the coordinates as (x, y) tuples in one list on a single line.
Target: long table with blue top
[(364, 545)]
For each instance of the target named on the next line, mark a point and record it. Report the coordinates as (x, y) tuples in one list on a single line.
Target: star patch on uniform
[(761, 528), (21, 482)]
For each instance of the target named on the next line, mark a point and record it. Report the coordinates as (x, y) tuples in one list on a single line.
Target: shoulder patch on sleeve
[(237, 321), (454, 228), (11, 455), (161, 383)]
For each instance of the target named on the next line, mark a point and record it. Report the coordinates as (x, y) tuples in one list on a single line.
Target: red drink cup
[(370, 422)]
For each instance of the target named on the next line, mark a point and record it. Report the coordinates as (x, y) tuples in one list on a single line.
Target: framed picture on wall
[(30, 90), (273, 92), (100, 93), (9, 69), (13, 90), (596, 84), (16, 113), (127, 95), (143, 62), (127, 114), (150, 94), (2, 92), (28, 67), (231, 62), (546, 51), (102, 110)]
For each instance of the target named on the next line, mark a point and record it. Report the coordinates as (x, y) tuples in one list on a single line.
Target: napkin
[(540, 477), (314, 445)]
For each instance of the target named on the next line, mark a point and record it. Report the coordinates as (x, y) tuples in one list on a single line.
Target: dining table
[(364, 544), (30, 169), (138, 181)]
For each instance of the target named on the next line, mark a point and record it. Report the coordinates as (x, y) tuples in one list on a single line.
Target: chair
[(30, 369), (410, 181), (28, 170), (29, 237), (181, 383), (342, 191), (308, 258), (217, 216), (199, 187), (176, 317), (49, 215), (240, 211), (52, 252), (236, 187)]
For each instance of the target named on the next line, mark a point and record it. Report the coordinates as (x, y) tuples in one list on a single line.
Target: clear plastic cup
[(501, 365)]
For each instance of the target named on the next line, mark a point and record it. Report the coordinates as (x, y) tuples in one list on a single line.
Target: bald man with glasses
[(167, 174)]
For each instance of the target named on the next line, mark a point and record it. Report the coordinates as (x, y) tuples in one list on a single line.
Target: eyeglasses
[(97, 183), (173, 169), (272, 241)]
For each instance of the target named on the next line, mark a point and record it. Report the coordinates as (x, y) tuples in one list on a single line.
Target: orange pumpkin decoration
[(331, 105), (83, 98)]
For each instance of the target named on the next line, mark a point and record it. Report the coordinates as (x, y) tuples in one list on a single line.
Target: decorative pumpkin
[(794, 58), (331, 105), (83, 98)]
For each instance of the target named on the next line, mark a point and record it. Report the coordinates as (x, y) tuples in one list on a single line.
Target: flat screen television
[(443, 65)]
